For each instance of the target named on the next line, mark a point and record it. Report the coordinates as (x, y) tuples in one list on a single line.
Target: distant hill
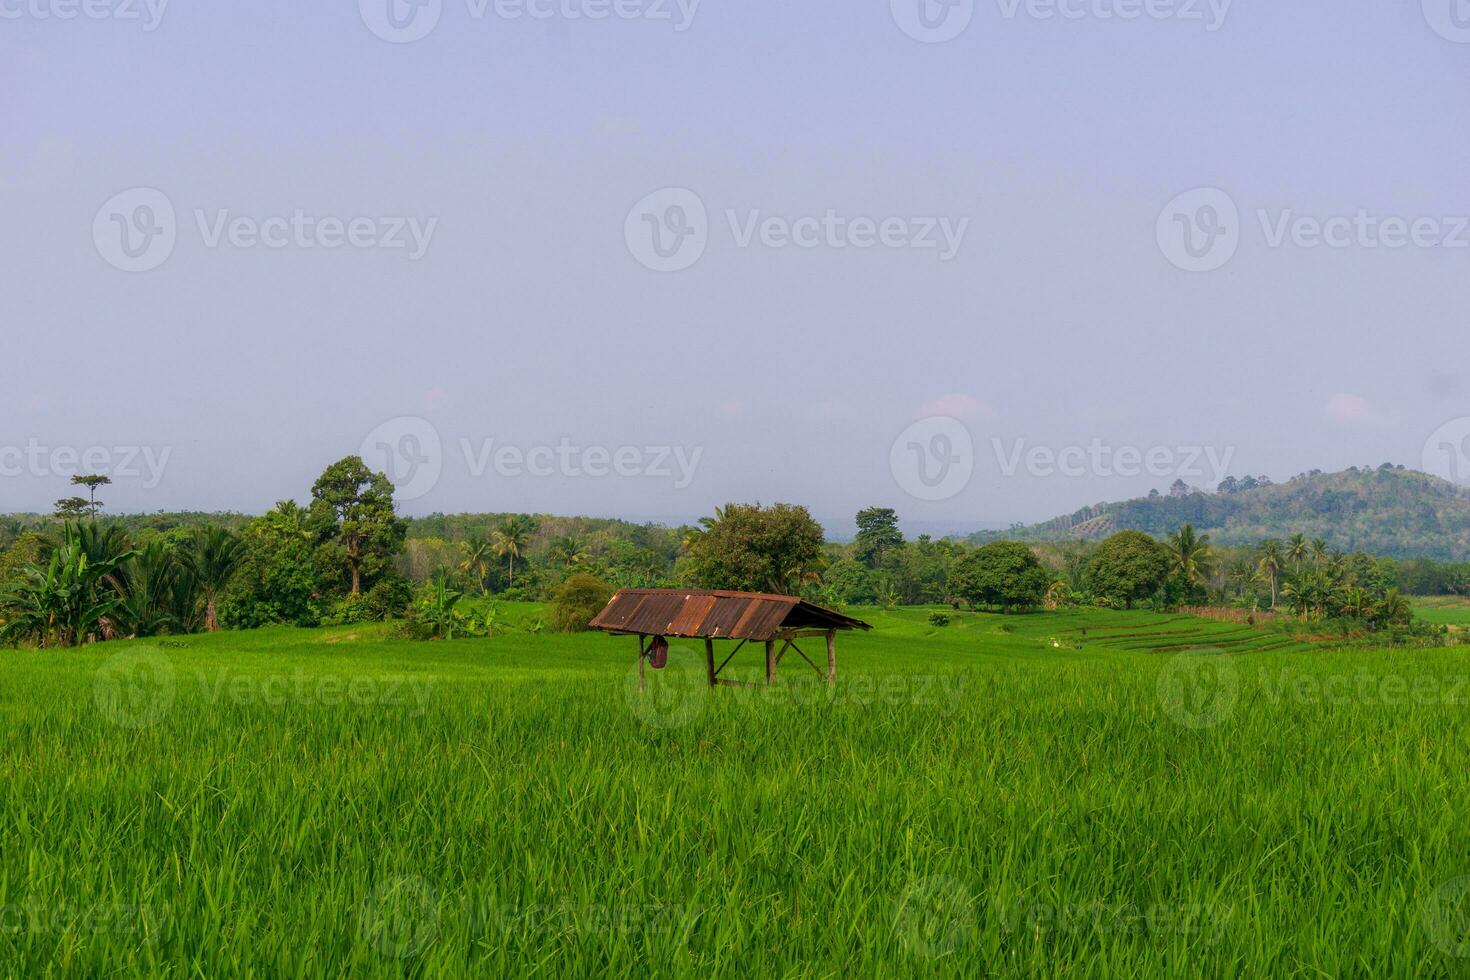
[(1391, 512)]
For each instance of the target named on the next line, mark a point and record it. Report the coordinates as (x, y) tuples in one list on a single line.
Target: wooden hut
[(710, 615)]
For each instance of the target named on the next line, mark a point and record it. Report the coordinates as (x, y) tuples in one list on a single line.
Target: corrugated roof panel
[(711, 613)]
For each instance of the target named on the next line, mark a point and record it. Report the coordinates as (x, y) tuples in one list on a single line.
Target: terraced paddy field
[(1449, 610), (1079, 793)]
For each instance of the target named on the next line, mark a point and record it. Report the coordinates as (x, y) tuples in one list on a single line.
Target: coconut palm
[(1296, 549), (1270, 565), (475, 560), (213, 557), (1190, 555), (1319, 551), (510, 540), (568, 551), (288, 519), (706, 524)]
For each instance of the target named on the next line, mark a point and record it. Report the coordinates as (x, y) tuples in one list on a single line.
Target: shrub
[(577, 600), (938, 619)]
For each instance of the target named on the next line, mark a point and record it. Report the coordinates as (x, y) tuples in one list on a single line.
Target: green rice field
[(1081, 794), (1449, 610)]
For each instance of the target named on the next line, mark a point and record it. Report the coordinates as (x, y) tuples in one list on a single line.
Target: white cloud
[(956, 406), (1348, 409)]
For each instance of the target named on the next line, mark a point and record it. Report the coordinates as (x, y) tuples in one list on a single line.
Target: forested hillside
[(1387, 511)]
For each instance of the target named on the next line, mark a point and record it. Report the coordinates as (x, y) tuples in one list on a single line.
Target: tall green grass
[(998, 797)]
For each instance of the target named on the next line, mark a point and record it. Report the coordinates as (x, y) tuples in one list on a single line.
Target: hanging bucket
[(658, 654)]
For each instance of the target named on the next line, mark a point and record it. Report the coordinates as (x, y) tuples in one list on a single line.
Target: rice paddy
[(1083, 793)]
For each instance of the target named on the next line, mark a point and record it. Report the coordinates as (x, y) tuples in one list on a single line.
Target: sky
[(981, 261)]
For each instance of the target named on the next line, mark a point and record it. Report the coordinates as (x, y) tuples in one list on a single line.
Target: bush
[(938, 619), (577, 600)]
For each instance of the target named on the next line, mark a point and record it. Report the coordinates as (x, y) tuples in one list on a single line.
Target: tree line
[(346, 556)]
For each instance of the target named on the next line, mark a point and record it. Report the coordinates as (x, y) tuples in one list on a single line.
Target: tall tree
[(92, 483), (356, 505), (510, 540), (1296, 549), (475, 560), (1273, 559), (877, 535)]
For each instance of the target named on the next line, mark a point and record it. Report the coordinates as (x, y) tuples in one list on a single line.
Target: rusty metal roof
[(716, 614)]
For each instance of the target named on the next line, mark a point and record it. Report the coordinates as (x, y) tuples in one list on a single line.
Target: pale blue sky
[(529, 321)]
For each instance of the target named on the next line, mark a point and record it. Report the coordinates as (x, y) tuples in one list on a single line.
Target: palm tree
[(148, 582), (213, 558), (510, 540), (568, 551), (1394, 608), (1190, 555), (706, 524), (476, 560), (1270, 566), (288, 519), (1319, 551), (65, 603), (1296, 549)]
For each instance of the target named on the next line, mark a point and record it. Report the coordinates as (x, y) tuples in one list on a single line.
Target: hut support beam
[(770, 661), (642, 653), (709, 659), (729, 658), (831, 656)]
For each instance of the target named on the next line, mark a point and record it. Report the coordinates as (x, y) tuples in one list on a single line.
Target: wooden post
[(640, 661), (770, 661), (831, 656), (709, 659)]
